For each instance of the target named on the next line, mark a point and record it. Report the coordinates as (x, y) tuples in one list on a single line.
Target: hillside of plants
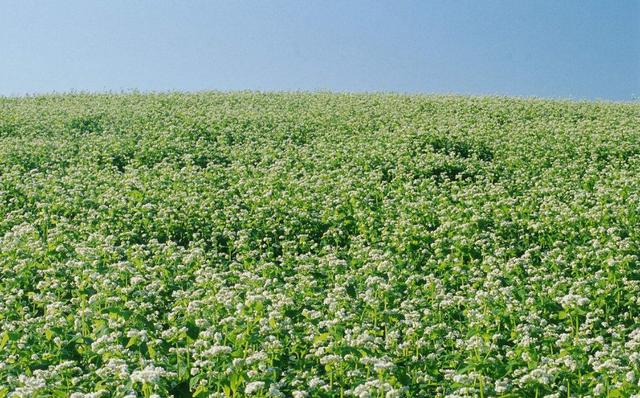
[(318, 245)]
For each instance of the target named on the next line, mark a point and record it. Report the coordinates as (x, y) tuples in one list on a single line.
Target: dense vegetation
[(318, 245)]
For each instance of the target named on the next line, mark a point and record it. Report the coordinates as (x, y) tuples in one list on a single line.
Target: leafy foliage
[(318, 245)]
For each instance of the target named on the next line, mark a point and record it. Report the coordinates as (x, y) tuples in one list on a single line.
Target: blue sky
[(568, 49)]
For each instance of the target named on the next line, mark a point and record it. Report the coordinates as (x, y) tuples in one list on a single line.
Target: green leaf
[(133, 340), (617, 393), (194, 382), (320, 338), (152, 351), (200, 390), (236, 380), (4, 340)]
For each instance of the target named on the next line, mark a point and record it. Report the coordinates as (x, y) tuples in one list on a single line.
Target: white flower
[(253, 387), (274, 391), (598, 389), (630, 376), (216, 350), (149, 375)]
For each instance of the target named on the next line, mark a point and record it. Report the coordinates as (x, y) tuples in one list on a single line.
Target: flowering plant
[(318, 245)]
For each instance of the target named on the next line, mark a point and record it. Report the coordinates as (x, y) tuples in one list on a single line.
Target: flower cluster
[(318, 245)]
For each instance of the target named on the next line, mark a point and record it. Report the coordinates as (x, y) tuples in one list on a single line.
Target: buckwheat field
[(318, 245)]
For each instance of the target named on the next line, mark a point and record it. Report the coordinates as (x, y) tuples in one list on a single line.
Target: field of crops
[(318, 245)]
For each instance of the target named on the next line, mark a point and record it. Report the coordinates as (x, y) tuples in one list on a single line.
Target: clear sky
[(580, 49)]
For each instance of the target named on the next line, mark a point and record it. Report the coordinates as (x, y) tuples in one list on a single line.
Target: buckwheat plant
[(318, 245)]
